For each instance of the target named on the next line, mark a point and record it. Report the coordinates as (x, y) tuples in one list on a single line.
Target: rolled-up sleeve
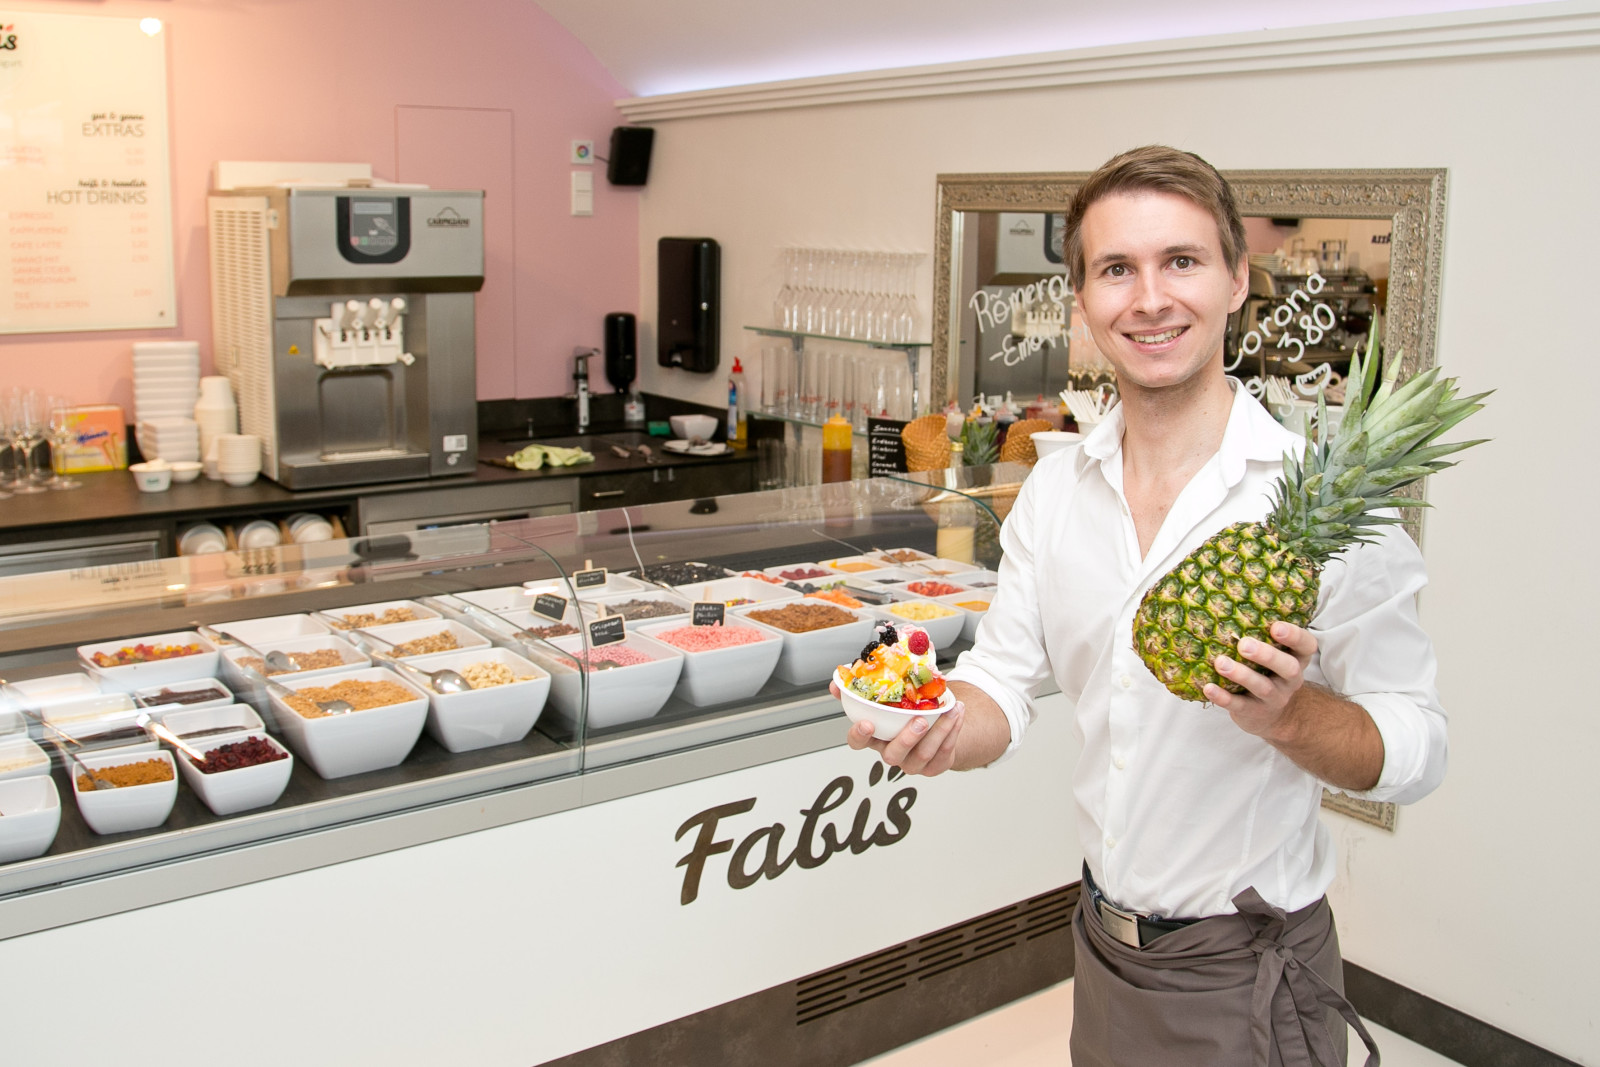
[(1008, 660), (1372, 650)]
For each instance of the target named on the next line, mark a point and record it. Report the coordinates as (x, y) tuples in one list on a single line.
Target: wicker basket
[(927, 447), (1019, 441)]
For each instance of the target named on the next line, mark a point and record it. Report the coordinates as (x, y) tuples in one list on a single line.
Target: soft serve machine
[(344, 319)]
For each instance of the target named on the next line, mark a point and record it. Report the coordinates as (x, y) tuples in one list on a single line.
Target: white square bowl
[(340, 745), (152, 697), (32, 809), (726, 589), (112, 731), (929, 584), (336, 617), (913, 555), (969, 628), (132, 807), (941, 631), (244, 681), (824, 580), (719, 675), (483, 718), (609, 603), (616, 696), (812, 656), (947, 569), (855, 566), (21, 758), (398, 633), (132, 676), (200, 725), (980, 580), (265, 631), (230, 792), (55, 689)]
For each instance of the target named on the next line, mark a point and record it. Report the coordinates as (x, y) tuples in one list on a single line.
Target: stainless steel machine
[(344, 319)]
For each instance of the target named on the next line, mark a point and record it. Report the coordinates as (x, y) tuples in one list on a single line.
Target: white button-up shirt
[(1179, 809)]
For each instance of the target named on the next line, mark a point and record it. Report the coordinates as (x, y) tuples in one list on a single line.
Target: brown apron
[(1258, 988)]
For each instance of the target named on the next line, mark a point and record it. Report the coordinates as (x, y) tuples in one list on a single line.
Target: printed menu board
[(87, 209)]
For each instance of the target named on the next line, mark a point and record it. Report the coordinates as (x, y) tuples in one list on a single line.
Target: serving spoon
[(275, 660), (155, 729)]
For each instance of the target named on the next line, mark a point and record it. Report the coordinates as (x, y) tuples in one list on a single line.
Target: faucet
[(580, 381)]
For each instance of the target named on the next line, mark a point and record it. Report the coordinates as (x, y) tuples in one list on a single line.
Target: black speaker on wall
[(629, 161), (688, 303), (622, 350)]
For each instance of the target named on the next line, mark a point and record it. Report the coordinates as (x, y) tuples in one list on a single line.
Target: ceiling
[(671, 46)]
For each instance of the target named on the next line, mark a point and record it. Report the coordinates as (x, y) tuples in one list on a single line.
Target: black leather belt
[(1129, 927)]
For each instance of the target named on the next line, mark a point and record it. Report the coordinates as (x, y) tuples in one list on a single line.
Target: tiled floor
[(1033, 1033)]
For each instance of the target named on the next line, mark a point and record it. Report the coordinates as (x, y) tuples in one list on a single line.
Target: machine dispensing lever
[(360, 334)]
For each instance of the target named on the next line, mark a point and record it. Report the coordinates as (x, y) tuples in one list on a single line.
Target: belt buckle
[(1122, 925)]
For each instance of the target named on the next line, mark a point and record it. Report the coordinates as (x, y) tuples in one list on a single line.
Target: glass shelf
[(773, 331), (795, 420)]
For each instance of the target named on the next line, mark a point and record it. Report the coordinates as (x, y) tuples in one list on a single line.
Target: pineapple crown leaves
[(1328, 498), (978, 448)]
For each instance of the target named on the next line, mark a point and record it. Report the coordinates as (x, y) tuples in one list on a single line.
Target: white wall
[(1511, 607)]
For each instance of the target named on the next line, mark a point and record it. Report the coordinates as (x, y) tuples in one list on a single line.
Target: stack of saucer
[(166, 379), (175, 440), (238, 457)]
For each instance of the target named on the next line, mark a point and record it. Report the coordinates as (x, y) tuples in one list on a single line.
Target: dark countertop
[(112, 496)]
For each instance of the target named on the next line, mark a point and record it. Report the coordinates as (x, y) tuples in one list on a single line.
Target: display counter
[(583, 768)]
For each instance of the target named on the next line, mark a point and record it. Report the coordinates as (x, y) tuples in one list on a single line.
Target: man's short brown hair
[(1157, 168)]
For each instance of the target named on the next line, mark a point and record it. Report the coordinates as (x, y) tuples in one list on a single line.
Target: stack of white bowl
[(238, 457), (166, 384)]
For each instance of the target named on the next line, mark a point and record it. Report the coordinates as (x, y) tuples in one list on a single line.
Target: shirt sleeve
[(1008, 660), (1372, 650)]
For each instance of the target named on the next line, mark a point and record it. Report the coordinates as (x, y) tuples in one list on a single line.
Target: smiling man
[(1203, 935)]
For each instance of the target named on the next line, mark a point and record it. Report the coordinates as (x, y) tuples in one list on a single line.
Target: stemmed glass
[(62, 434), (24, 427)]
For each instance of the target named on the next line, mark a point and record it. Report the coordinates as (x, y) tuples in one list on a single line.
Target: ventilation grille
[(927, 957), (241, 314)]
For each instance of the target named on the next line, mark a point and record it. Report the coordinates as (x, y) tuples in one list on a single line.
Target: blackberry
[(888, 635), (866, 653)]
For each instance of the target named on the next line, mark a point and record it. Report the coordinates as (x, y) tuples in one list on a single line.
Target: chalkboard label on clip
[(709, 613), (608, 631), (886, 451), (550, 606), (589, 579)]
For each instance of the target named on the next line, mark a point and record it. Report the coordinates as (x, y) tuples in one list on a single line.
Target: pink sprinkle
[(615, 655), (706, 638)]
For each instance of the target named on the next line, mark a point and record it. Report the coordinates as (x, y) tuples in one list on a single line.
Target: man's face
[(1157, 291)]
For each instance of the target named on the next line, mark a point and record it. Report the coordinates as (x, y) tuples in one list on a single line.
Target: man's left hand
[(1266, 702)]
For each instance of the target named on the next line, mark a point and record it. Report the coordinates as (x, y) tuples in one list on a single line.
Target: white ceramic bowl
[(264, 631), (615, 583), (1047, 441), (132, 676), (928, 584), (482, 718), (398, 633), (133, 807), (55, 689), (152, 695), (228, 792), (828, 578), (882, 556), (32, 816), (201, 539), (186, 470), (944, 569), (617, 696), (886, 722), (239, 479), (21, 758), (231, 718), (969, 628), (693, 425), (243, 681), (334, 616), (151, 479), (812, 656), (259, 533), (114, 731), (726, 589), (610, 602), (721, 675), (340, 745), (855, 566), (941, 631), (87, 713)]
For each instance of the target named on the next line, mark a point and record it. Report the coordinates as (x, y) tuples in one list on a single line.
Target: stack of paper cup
[(166, 379), (215, 412), (238, 457)]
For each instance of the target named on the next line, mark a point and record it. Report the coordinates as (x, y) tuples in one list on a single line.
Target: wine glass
[(24, 427), (62, 434)]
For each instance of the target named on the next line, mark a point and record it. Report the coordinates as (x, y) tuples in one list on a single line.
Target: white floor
[(1033, 1033)]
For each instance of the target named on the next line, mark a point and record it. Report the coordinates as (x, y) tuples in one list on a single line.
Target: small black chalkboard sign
[(886, 452), (550, 606), (589, 579), (608, 631), (709, 613)]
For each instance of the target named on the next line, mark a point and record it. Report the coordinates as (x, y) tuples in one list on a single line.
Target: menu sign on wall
[(886, 451), (87, 211)]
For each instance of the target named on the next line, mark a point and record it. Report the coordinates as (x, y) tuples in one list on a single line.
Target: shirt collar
[(1252, 434)]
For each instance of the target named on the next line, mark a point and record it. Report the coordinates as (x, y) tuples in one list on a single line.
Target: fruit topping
[(917, 642)]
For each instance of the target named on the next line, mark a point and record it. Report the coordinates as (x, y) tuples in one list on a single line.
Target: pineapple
[(978, 448), (1250, 575)]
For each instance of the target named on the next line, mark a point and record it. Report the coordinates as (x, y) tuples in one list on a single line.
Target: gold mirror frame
[(1413, 199)]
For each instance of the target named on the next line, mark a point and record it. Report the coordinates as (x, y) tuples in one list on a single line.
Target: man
[(1203, 935)]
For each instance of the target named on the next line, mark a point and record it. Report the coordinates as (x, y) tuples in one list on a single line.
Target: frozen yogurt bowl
[(32, 808), (128, 807), (887, 721), (364, 740), (494, 711), (715, 672), (810, 655), (227, 792), (634, 690), (119, 670)]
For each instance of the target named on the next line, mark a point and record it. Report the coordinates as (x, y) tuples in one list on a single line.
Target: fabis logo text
[(8, 37), (757, 854)]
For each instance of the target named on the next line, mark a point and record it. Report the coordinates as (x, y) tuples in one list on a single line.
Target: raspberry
[(917, 642)]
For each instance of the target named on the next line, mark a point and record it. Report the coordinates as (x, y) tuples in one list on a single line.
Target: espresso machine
[(344, 319)]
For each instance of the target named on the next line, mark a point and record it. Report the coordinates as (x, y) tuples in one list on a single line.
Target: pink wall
[(328, 80)]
